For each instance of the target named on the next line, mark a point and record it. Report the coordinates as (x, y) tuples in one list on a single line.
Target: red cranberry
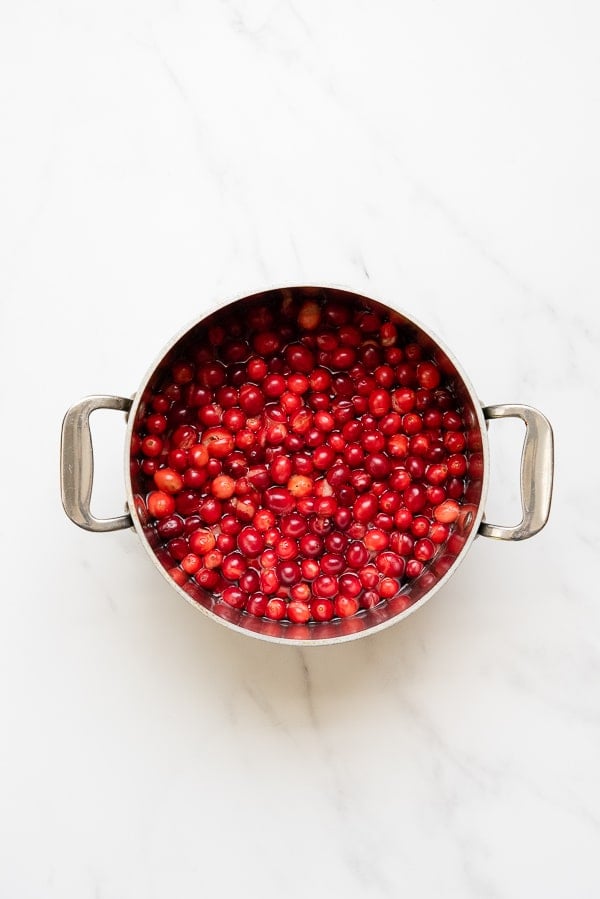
[(298, 612), (286, 548), (414, 567), (299, 358), (293, 525), (160, 504), (250, 542), (415, 497), (311, 546), (288, 572), (356, 555), (378, 465), (178, 548), (447, 512), (350, 585), (233, 566), (278, 500), (202, 541), (365, 508), (170, 527), (380, 403), (257, 604), (390, 564), (210, 510), (322, 609), (218, 441)]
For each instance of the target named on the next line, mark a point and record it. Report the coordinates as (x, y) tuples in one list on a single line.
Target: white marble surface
[(156, 156)]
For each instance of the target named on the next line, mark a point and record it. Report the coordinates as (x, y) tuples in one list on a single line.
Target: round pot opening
[(228, 335)]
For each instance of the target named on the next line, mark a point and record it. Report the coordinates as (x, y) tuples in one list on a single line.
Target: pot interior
[(235, 321)]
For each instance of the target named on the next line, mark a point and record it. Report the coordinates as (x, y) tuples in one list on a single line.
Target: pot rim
[(216, 306)]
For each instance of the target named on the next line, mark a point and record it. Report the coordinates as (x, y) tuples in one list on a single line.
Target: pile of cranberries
[(300, 458)]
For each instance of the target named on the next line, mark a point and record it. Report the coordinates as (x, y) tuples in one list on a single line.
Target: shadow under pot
[(306, 465)]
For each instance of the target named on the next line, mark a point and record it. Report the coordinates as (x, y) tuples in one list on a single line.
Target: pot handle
[(537, 472), (77, 463)]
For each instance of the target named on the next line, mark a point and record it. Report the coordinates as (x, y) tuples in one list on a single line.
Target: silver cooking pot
[(536, 486)]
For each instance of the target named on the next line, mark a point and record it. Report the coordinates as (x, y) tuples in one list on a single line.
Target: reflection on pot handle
[(537, 472), (77, 463)]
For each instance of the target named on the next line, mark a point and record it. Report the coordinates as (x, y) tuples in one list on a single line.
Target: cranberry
[(414, 567), (298, 612), (343, 357), (428, 375), (288, 572), (274, 385), (390, 564), (209, 510), (278, 500), (233, 566), (152, 446), (369, 576), (202, 541), (218, 441), (161, 504), (293, 526), (198, 455), (350, 584), (156, 424), (365, 508), (387, 587), (299, 358), (223, 487), (310, 569), (323, 457), (378, 465), (169, 527), (178, 548), (415, 497), (325, 585), (372, 441), (286, 548), (446, 512), (269, 581), (455, 488), (257, 604), (439, 532), (226, 543), (299, 485), (250, 542), (357, 555), (235, 597), (456, 464), (311, 546), (322, 609), (252, 400), (419, 526), (376, 540), (379, 403)]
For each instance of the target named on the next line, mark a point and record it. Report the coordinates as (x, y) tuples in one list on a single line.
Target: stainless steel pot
[(536, 485)]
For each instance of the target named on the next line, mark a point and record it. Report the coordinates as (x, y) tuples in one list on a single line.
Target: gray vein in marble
[(308, 690), (259, 699), (564, 804), (293, 9), (358, 849), (218, 169), (358, 260), (91, 573)]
